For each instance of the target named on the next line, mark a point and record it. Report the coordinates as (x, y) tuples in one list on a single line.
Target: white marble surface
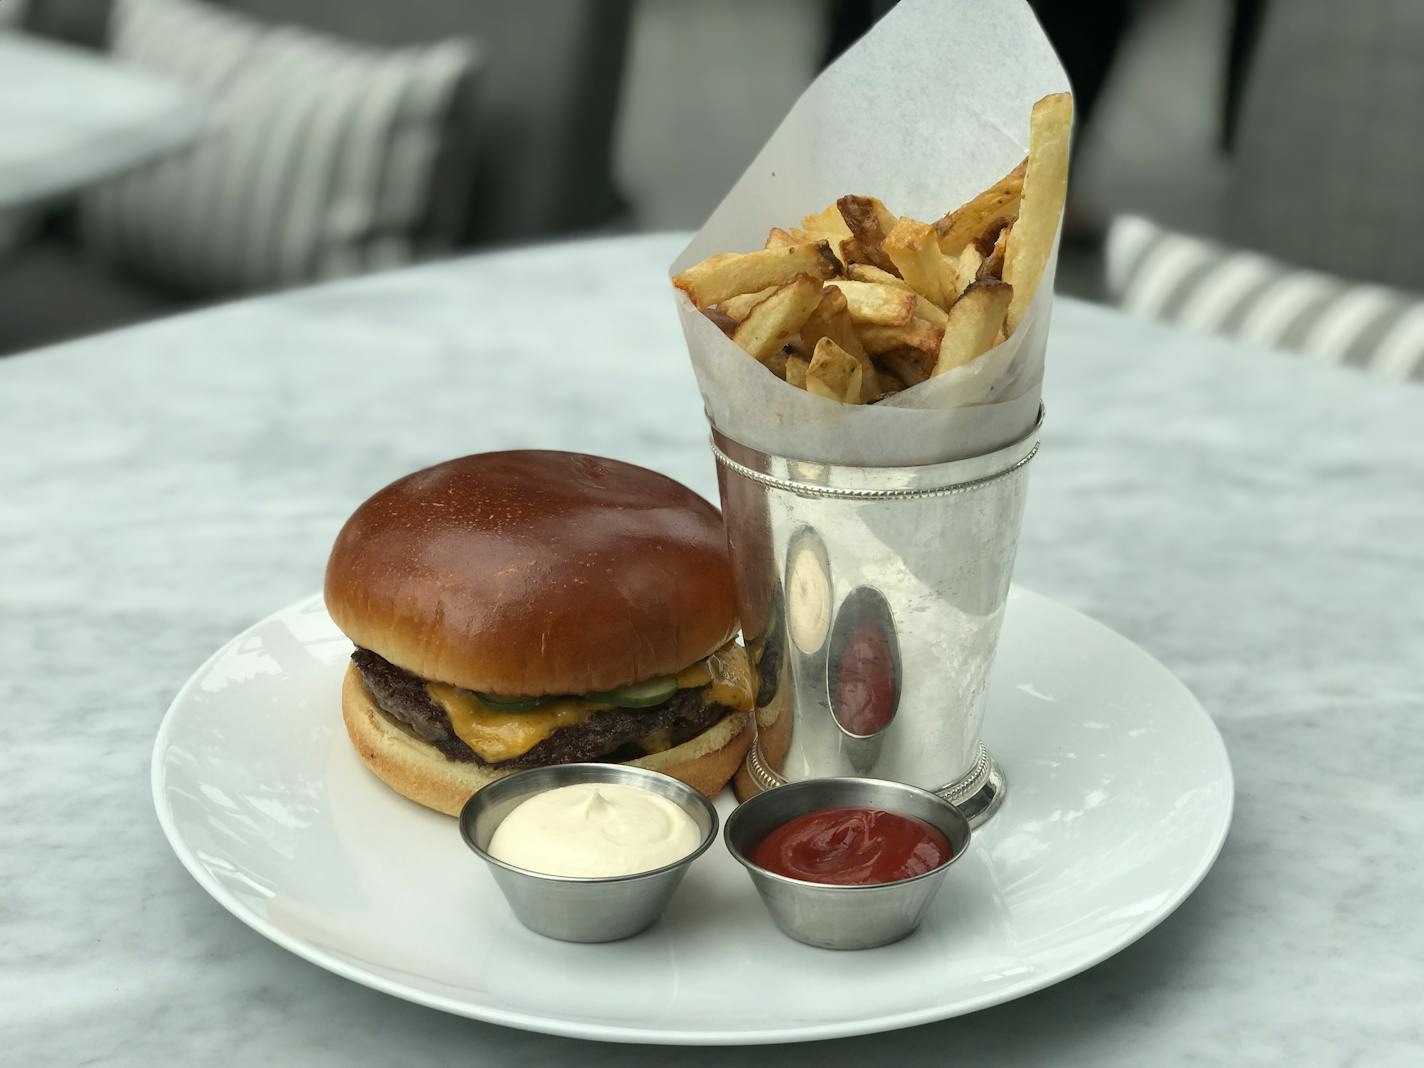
[(1253, 520), (69, 117)]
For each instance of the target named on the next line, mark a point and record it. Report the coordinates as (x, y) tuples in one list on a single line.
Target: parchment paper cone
[(926, 110)]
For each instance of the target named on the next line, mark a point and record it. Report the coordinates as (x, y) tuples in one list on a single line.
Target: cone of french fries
[(866, 313)]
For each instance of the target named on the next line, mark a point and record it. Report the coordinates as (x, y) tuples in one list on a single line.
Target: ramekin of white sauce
[(595, 830), (588, 852)]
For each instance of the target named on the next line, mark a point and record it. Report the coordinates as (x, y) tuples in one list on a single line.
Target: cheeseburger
[(517, 609)]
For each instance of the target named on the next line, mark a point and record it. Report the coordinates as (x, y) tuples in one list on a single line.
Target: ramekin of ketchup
[(852, 847), (847, 863)]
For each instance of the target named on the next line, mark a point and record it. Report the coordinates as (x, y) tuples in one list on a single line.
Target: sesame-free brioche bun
[(534, 573), (421, 772)]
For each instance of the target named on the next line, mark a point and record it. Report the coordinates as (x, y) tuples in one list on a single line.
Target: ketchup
[(852, 846), (865, 683)]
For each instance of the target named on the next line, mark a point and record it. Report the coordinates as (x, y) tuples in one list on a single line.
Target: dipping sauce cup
[(835, 916), (575, 909)]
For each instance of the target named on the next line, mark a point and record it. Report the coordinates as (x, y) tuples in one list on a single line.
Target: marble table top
[(1252, 520), (69, 117)]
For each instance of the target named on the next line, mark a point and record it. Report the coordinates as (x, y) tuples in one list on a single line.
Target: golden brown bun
[(534, 573), (422, 773)]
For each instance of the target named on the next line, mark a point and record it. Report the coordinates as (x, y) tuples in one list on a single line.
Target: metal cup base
[(977, 793), (980, 791)]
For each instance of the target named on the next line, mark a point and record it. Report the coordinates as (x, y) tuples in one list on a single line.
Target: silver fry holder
[(872, 598)]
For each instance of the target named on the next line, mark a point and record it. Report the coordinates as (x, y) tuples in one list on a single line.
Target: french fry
[(956, 282), (932, 312), (833, 241), (1045, 186), (917, 334), (829, 238), (864, 272), (776, 363), (869, 221), (718, 277), (908, 365), (739, 306), (796, 371), (985, 242), (779, 238), (993, 265), (771, 323), (966, 268), (827, 219), (949, 279), (1000, 201), (974, 320), (834, 373), (870, 211), (831, 319), (875, 304), (912, 248)]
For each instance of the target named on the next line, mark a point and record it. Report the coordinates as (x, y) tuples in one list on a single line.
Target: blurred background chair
[(524, 151), (1282, 128), (1238, 292), (1328, 167), (1319, 248)]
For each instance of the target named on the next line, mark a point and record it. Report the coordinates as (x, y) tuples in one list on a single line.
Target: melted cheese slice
[(497, 734), (729, 674)]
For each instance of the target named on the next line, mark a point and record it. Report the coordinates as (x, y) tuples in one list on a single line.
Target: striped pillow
[(319, 158), (1182, 279)]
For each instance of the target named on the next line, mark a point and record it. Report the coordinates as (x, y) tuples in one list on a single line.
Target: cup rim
[(843, 888), (466, 821)]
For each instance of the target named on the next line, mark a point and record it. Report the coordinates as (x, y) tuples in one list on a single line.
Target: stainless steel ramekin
[(844, 917), (574, 909)]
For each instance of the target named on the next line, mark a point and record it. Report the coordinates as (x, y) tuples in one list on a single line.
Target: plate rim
[(603, 1032)]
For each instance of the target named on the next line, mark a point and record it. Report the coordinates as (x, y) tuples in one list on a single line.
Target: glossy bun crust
[(534, 573)]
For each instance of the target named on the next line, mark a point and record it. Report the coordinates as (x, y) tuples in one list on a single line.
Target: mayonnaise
[(594, 829)]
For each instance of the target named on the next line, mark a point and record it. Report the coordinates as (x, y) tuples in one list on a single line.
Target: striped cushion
[(1182, 279), (319, 158)]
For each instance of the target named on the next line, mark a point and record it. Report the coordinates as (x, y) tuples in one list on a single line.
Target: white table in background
[(69, 117), (1252, 520)]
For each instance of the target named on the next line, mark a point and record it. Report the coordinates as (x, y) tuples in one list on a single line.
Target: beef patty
[(768, 671), (612, 733)]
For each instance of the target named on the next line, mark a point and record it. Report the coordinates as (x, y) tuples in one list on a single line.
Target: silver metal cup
[(843, 917), (871, 598), (574, 909)]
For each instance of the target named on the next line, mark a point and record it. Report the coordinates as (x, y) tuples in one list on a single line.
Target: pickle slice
[(639, 694), (509, 703)]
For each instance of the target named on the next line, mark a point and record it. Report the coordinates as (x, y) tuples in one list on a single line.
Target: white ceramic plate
[(1119, 799)]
